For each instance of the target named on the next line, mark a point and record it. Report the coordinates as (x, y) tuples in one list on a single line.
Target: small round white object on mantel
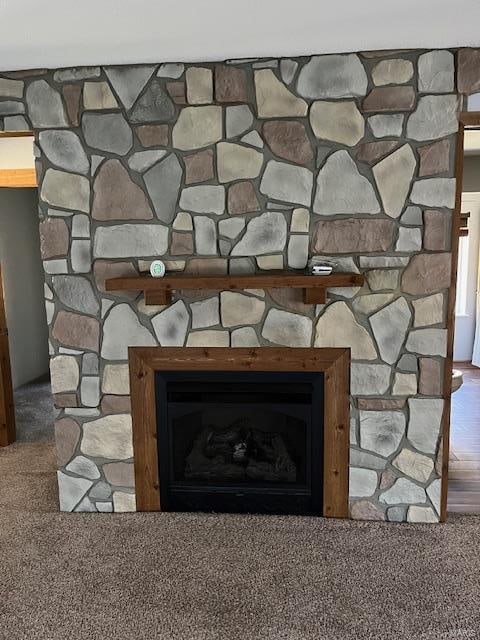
[(157, 269)]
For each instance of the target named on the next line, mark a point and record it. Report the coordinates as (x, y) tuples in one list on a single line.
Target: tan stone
[(413, 464), (64, 374), (199, 167), (389, 99), (176, 91), (98, 95), (205, 266), (365, 510), (236, 162), (274, 100), (74, 330), (242, 198), (71, 95), (115, 404), (183, 222), (428, 310), (371, 152), (104, 270), (434, 158), (393, 176), (291, 299), (208, 338), (427, 273), (108, 437), (116, 380), (437, 230), (337, 121), (396, 71), (380, 404), (468, 64), (337, 327), (431, 377), (288, 139), (405, 384), (238, 309), (181, 244), (153, 135), (300, 222), (67, 434), (230, 84), (124, 502), (54, 238), (197, 127), (120, 474), (116, 196), (270, 263), (352, 235), (199, 85)]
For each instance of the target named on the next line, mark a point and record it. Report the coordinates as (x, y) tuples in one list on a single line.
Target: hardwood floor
[(464, 474)]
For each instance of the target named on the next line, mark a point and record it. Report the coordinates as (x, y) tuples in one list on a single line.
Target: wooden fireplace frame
[(334, 363)]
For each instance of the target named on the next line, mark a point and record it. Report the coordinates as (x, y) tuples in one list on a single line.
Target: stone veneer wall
[(238, 167)]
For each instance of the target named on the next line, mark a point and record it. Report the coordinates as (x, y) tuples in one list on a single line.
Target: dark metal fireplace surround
[(241, 429), (232, 441)]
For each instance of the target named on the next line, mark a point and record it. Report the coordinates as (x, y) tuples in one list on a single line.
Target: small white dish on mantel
[(321, 270)]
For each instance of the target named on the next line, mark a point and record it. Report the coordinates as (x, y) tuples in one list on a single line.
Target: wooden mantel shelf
[(159, 290)]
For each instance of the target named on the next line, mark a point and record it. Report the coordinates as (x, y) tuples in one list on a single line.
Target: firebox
[(240, 441)]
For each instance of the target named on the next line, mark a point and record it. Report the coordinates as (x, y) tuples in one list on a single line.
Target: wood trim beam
[(335, 363), (18, 178)]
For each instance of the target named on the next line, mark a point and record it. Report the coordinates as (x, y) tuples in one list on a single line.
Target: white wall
[(23, 284), (61, 33)]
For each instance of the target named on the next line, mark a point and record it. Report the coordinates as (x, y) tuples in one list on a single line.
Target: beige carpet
[(189, 577)]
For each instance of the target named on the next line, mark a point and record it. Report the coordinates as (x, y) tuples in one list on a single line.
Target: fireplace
[(260, 430), (240, 441)]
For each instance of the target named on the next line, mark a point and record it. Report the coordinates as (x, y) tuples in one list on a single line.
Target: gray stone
[(155, 105), (76, 293), (143, 160), (425, 422), (434, 192), (71, 490), (81, 256), (409, 239), (254, 139), (290, 329), (435, 117), (381, 431), (408, 362), (390, 326), (337, 121), (298, 251), (332, 76), (237, 309), (130, 240), (337, 327), (55, 266), (45, 106), (364, 459), (231, 227), (363, 482), (64, 374), (85, 506), (197, 127), (288, 69), (205, 313), (205, 236), (383, 280), (171, 70), (342, 189), (436, 71), (108, 437), (64, 149), (15, 123), (204, 199), (286, 182), (393, 176), (370, 303), (241, 265), (128, 81), (104, 507), (171, 325), (237, 162), (90, 391), (101, 491), (9, 107), (90, 363), (403, 492), (80, 226), (396, 514), (163, 183), (384, 126), (412, 215), (434, 491), (369, 379), (428, 310), (122, 329), (85, 467), (238, 119), (414, 464), (108, 132), (428, 342), (208, 338), (11, 88), (396, 71), (245, 337), (265, 234), (61, 189), (342, 264), (422, 515), (274, 100), (76, 73)]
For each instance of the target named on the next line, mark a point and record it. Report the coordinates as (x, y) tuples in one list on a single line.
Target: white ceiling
[(59, 33)]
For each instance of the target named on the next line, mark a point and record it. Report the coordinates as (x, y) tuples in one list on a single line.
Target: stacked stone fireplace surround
[(241, 167)]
